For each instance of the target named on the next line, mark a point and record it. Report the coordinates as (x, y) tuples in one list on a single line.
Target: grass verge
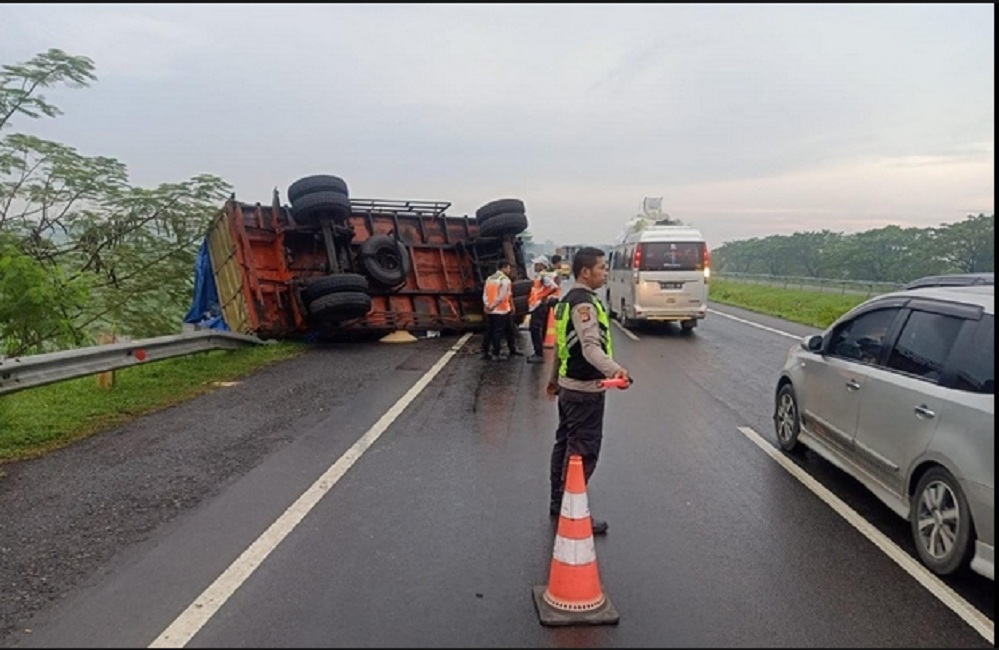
[(813, 308), (38, 420)]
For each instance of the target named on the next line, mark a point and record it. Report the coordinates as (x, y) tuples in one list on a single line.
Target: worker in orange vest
[(497, 302), (539, 302)]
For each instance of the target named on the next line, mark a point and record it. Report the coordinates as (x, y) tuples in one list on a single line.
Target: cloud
[(743, 117)]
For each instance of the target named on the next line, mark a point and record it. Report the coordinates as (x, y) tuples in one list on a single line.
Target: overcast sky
[(749, 120)]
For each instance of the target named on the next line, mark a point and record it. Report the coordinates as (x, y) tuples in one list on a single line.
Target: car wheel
[(941, 522), (787, 420), (622, 317)]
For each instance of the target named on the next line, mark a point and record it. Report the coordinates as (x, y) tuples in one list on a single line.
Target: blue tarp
[(205, 311)]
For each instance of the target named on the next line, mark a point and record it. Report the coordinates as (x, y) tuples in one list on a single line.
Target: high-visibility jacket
[(572, 363), (497, 297), (544, 287)]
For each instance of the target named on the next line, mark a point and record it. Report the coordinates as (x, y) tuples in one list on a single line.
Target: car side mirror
[(812, 343)]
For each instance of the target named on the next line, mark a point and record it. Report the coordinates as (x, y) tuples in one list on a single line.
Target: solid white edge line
[(180, 632), (626, 331), (749, 322), (978, 621)]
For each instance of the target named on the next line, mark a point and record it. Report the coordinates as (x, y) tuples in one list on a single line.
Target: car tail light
[(707, 263)]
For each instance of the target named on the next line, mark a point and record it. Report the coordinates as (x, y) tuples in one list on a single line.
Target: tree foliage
[(84, 250), (890, 254)]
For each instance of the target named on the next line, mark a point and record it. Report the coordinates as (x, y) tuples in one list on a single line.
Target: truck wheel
[(342, 306), (310, 207), (510, 223), (337, 283), (522, 287), (385, 259), (319, 183), (499, 206), (520, 306)]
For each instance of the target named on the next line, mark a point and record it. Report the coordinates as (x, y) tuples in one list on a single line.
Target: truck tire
[(318, 183), (499, 206), (511, 223), (522, 287), (310, 207), (346, 305), (385, 259), (337, 283), (520, 306)]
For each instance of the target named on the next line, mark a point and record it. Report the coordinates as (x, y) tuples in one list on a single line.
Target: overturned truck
[(327, 265)]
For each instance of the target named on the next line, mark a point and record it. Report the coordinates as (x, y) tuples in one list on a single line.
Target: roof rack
[(389, 206)]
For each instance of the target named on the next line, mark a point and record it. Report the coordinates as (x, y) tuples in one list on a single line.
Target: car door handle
[(924, 411), (852, 385)]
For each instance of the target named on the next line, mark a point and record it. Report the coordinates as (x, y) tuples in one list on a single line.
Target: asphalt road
[(306, 506)]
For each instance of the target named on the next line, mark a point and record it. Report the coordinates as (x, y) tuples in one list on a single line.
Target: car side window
[(862, 338), (976, 367), (924, 344)]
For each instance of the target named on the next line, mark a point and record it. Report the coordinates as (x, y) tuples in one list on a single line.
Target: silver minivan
[(900, 393), (660, 273)]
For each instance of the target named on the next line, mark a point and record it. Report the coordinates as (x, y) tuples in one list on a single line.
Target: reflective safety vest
[(572, 363), (540, 291), (497, 289)]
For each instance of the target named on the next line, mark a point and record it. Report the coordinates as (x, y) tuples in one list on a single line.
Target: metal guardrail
[(831, 285), (18, 373)]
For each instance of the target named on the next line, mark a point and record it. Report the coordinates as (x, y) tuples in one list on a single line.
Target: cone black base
[(606, 614)]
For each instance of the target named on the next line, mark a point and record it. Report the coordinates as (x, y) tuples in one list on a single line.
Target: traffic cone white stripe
[(574, 552), (575, 505)]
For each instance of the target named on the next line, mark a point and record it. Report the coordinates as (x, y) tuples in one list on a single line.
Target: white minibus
[(659, 273)]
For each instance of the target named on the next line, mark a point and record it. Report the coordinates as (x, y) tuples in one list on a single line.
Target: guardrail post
[(105, 380)]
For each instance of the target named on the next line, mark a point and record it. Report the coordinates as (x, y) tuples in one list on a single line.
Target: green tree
[(886, 254), (968, 246), (100, 253), (807, 252), (35, 301)]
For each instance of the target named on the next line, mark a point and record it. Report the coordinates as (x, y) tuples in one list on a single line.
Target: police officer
[(583, 359)]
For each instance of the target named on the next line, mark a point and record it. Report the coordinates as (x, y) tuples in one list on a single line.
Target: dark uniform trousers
[(497, 328), (580, 431), (539, 321)]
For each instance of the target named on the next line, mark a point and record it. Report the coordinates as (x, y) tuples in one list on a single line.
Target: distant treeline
[(890, 254)]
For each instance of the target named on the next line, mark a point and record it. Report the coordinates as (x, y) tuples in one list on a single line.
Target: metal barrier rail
[(18, 373), (858, 287)]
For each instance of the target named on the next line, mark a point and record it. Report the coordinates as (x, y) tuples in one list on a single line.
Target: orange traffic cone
[(550, 330), (574, 595)]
